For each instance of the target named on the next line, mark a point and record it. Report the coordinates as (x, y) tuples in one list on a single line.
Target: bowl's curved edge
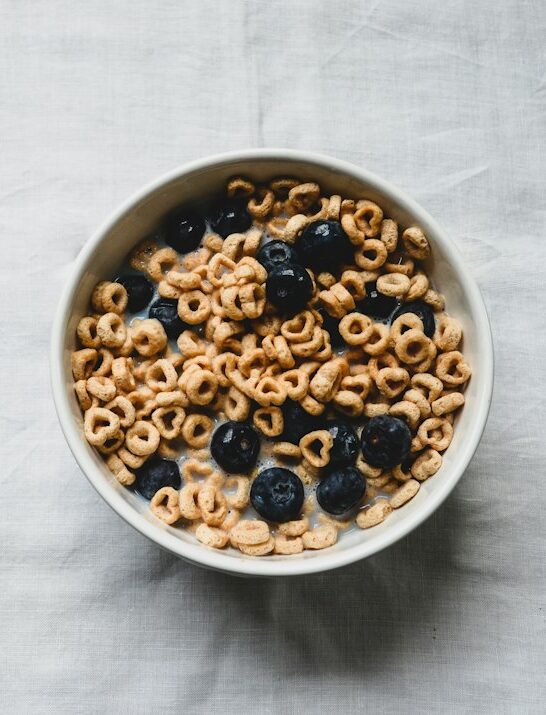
[(198, 554)]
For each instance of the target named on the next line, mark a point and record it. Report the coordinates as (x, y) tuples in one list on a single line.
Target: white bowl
[(104, 252)]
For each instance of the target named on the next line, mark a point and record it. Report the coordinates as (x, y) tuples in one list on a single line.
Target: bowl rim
[(215, 559)]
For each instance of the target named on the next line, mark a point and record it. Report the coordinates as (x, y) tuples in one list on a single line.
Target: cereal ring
[(416, 243), (112, 444), (196, 430), (374, 514), (435, 300), (269, 420), (195, 259), (161, 376), (407, 410), (120, 471), (104, 363), (436, 432), (419, 285), (281, 186), (389, 234), (353, 282), (87, 332), (404, 493), (394, 285), (374, 409), (447, 403), (404, 322), (125, 410), (286, 546), (316, 447), (320, 537), (269, 391), (111, 330), (166, 290), (201, 387), (142, 438), (221, 365), (211, 536), (368, 217), (262, 205), (375, 364), (448, 333), (432, 385), (303, 196), (148, 336), (164, 505), (326, 280), (452, 369), (294, 226), (286, 450), (161, 262), (239, 188), (258, 549), (252, 299), (250, 532), (212, 504), (101, 387), (84, 400), (99, 425), (371, 255), (356, 328), (413, 347), (391, 381), (237, 405), (194, 307), (140, 256), (240, 499), (168, 421), (187, 501), (349, 403), (326, 381), (122, 375), (399, 263), (426, 464), (308, 348), (418, 398), (378, 341), (299, 329), (296, 383), (113, 298)]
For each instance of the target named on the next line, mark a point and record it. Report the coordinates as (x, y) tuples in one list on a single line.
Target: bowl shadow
[(355, 620)]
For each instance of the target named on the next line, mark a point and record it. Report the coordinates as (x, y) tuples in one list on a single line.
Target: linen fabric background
[(448, 101)]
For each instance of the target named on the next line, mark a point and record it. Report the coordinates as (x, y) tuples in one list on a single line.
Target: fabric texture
[(445, 99)]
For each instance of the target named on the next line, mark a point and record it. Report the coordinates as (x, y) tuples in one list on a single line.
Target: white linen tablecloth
[(445, 99)]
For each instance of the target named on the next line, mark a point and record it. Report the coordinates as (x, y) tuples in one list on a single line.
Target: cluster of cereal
[(243, 361)]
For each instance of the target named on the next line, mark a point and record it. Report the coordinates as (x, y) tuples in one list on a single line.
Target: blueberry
[(375, 304), (166, 311), (324, 246), (235, 446), (331, 325), (273, 253), (341, 490), (277, 494), (183, 230), (230, 217), (386, 441), (298, 422), (289, 288), (421, 310), (155, 474), (139, 291), (345, 447)]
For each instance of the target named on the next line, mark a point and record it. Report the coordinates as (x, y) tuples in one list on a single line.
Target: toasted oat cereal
[(280, 365)]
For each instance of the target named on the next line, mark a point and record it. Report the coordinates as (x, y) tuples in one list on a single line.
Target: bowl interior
[(104, 254)]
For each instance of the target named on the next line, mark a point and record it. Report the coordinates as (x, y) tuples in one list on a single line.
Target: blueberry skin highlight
[(298, 422), (375, 304), (289, 288), (166, 311), (235, 446), (345, 446), (183, 230), (155, 474), (324, 246), (139, 289), (277, 495), (230, 217), (385, 441), (341, 490), (275, 253)]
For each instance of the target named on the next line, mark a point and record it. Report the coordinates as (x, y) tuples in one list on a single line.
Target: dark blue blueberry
[(386, 441), (375, 304), (166, 311), (341, 490), (229, 217), (421, 310), (139, 291), (183, 230), (324, 246), (235, 446), (298, 422), (277, 494), (345, 447), (273, 253), (155, 474), (289, 288), (331, 325)]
